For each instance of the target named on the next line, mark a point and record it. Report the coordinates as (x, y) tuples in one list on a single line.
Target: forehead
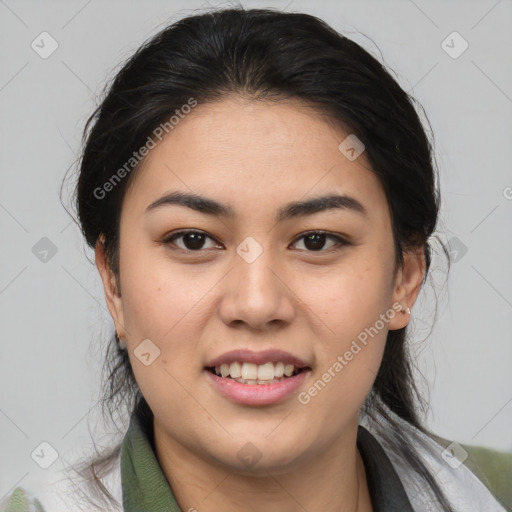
[(249, 153)]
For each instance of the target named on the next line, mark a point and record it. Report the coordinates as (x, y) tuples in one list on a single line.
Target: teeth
[(235, 370), (224, 370), (250, 373), (252, 382), (266, 371)]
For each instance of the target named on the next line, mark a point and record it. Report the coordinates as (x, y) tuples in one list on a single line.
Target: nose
[(257, 293)]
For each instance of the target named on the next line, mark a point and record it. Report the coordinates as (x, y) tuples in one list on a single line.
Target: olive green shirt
[(145, 488)]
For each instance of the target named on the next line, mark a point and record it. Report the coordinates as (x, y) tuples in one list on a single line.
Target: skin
[(256, 157)]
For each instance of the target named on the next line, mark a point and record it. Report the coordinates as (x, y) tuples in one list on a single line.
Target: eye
[(193, 240), (314, 241)]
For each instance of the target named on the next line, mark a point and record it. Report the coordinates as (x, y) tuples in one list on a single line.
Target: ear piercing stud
[(120, 342)]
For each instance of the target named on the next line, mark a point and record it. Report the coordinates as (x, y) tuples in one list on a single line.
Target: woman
[(261, 195)]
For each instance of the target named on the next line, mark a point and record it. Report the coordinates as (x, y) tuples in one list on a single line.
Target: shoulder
[(493, 468), (21, 500), (470, 477), (64, 492)]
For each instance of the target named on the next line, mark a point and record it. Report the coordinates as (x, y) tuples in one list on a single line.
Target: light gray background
[(51, 311)]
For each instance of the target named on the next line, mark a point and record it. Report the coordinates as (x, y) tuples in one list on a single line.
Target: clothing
[(145, 485), (140, 485)]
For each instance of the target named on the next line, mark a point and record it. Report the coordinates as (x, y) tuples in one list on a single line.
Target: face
[(257, 283)]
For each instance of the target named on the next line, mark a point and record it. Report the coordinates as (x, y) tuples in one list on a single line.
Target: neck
[(333, 481)]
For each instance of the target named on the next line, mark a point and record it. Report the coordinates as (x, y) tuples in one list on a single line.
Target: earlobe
[(407, 286), (110, 287)]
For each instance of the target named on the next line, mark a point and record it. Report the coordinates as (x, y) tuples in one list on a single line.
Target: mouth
[(257, 378), (243, 372)]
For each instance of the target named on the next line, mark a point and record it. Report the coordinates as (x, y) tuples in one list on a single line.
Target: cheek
[(160, 309), (349, 353), (163, 303), (159, 298), (350, 297), (348, 360)]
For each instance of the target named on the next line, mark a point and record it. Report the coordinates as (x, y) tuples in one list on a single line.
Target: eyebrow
[(291, 210)]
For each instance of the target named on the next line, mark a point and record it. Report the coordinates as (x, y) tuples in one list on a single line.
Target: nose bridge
[(254, 293), (255, 281)]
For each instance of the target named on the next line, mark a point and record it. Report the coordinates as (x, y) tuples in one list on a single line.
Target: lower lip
[(257, 394)]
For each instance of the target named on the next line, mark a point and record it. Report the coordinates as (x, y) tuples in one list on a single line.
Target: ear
[(110, 287), (408, 284)]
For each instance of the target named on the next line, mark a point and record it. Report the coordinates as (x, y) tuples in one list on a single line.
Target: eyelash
[(340, 241)]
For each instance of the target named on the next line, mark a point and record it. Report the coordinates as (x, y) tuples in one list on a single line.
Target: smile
[(256, 392), (253, 374)]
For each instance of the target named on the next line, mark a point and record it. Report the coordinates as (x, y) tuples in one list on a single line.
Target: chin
[(258, 455)]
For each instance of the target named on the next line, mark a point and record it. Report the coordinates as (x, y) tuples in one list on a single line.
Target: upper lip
[(265, 356)]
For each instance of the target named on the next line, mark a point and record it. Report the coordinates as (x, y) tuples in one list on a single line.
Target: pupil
[(317, 238), (196, 239)]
